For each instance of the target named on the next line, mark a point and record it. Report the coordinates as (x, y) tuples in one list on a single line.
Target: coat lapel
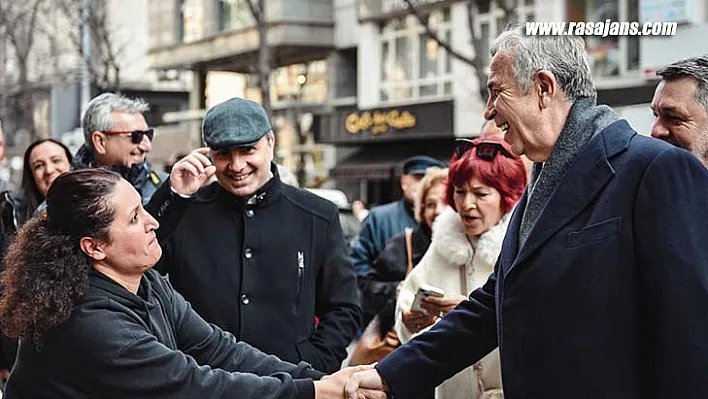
[(581, 184), (511, 239)]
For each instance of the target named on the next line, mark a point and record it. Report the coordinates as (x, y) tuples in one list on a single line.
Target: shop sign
[(378, 122)]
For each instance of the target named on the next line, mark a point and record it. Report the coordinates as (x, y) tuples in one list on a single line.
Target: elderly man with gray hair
[(117, 136), (680, 105), (601, 287)]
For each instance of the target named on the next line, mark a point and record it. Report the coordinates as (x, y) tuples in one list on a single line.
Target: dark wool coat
[(608, 297)]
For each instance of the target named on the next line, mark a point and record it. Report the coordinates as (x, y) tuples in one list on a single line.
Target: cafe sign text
[(378, 122)]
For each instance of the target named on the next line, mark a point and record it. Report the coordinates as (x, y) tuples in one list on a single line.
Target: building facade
[(395, 92)]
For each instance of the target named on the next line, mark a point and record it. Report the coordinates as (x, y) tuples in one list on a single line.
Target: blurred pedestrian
[(79, 286), (44, 160), (680, 105), (389, 220), (259, 258), (117, 136)]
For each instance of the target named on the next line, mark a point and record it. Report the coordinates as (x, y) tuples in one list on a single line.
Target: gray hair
[(97, 116), (696, 68), (564, 56)]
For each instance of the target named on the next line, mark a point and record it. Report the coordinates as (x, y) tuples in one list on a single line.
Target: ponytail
[(45, 274)]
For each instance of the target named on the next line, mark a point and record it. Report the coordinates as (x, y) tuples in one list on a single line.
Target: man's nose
[(489, 111), (658, 130), (145, 144)]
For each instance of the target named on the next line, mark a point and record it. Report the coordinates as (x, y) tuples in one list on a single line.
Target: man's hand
[(332, 386), (442, 305), (366, 384), (191, 172), (416, 321)]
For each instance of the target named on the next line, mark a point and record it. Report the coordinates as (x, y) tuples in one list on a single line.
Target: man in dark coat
[(259, 258), (600, 290), (387, 221), (680, 105), (117, 136)]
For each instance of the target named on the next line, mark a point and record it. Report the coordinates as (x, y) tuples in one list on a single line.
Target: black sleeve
[(463, 337), (167, 208), (337, 304)]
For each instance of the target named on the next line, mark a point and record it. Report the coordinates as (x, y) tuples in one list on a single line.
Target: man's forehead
[(674, 94)]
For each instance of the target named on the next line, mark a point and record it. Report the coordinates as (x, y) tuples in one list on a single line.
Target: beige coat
[(440, 267)]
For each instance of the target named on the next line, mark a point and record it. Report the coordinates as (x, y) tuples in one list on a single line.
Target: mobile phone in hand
[(425, 290)]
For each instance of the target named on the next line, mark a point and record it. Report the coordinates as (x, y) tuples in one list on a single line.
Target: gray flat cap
[(235, 123)]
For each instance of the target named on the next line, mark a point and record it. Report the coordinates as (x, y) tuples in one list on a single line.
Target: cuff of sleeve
[(305, 389), (180, 195)]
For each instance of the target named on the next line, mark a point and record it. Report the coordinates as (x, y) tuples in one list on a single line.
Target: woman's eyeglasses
[(486, 150), (136, 136)]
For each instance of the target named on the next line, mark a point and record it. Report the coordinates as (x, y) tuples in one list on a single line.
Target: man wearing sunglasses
[(602, 280), (116, 135)]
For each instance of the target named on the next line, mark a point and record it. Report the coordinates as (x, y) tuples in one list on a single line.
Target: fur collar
[(451, 244)]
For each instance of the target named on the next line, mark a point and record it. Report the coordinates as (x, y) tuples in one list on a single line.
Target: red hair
[(506, 175)]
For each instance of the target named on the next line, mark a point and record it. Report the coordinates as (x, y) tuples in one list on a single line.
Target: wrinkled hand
[(192, 172), (366, 384), (332, 386), (442, 305), (416, 321)]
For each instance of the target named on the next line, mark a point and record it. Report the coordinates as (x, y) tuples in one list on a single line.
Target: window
[(414, 66), (191, 20), (234, 14), (490, 21), (612, 55)]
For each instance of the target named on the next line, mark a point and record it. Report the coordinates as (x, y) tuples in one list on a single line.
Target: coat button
[(250, 213), (245, 300), (248, 254)]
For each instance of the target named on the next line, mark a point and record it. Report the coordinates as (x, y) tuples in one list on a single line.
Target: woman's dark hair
[(46, 272), (30, 193)]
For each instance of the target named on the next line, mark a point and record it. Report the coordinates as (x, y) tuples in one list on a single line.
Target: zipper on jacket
[(300, 276)]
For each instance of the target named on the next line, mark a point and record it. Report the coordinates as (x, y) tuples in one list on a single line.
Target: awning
[(384, 161)]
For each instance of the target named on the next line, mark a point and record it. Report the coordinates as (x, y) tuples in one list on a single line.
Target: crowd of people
[(559, 254)]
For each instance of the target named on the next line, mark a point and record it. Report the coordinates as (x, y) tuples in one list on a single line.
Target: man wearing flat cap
[(383, 223), (262, 259)]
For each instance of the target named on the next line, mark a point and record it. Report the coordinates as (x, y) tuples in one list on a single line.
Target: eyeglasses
[(486, 150), (136, 136)]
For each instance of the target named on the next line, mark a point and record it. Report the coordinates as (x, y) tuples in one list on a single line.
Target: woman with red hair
[(484, 182)]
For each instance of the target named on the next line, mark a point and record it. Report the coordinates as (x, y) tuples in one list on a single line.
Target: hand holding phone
[(425, 290)]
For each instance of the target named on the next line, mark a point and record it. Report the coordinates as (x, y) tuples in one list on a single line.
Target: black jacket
[(389, 269), (13, 217), (151, 345), (266, 268)]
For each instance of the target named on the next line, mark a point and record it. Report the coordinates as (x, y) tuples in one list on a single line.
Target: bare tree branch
[(428, 31)]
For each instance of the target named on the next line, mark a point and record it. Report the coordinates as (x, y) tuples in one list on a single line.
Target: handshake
[(358, 382)]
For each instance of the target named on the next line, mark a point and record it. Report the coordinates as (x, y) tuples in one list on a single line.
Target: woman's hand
[(440, 306), (416, 321)]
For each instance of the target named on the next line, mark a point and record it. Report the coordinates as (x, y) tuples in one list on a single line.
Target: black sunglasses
[(136, 136), (486, 150)]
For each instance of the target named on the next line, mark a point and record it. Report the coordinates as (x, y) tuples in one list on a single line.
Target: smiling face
[(479, 207), (47, 161), (133, 247), (243, 170), (531, 121), (118, 149), (680, 119)]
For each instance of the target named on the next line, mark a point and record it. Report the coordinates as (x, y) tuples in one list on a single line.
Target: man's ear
[(546, 87), (98, 140), (93, 248)]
